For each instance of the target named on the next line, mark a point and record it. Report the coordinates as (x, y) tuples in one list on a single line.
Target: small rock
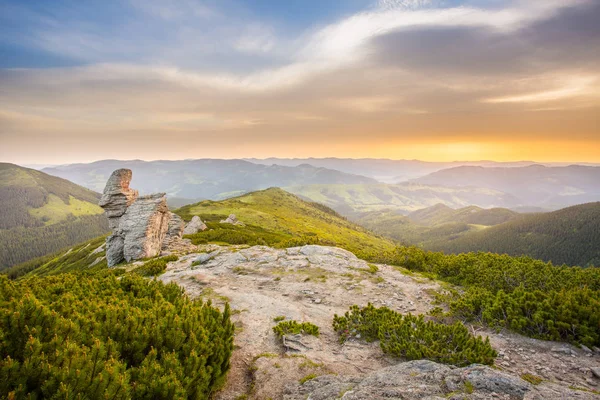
[(234, 288), (596, 372), (317, 301), (596, 350), (194, 226), (585, 348), (563, 350)]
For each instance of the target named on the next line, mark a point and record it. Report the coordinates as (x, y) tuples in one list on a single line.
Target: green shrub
[(295, 327), (108, 337), (279, 318), (528, 296), (155, 266), (413, 338)]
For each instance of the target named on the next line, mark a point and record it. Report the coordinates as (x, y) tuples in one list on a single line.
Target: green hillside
[(276, 217), (41, 214), (568, 236), (352, 200)]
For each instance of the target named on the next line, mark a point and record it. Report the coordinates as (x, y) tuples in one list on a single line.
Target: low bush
[(155, 266), (413, 338), (104, 336), (295, 327)]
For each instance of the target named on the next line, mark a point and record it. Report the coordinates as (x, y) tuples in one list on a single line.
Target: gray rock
[(202, 258), (232, 219), (174, 230), (194, 226), (144, 226), (585, 348), (114, 250), (596, 372), (422, 379), (117, 196)]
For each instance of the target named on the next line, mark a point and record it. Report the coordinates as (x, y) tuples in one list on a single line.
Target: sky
[(436, 80)]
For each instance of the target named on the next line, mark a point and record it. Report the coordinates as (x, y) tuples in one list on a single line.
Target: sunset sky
[(418, 79)]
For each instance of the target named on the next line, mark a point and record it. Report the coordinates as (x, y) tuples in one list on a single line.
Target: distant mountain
[(193, 180), (440, 214), (570, 236), (351, 200), (41, 214), (535, 185), (384, 170)]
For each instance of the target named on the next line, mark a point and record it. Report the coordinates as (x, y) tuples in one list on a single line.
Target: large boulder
[(117, 196), (194, 226), (144, 227)]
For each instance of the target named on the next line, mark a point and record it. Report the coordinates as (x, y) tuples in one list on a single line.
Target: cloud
[(394, 73)]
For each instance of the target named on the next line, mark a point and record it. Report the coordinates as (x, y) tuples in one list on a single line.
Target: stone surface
[(232, 219), (144, 226), (174, 231), (261, 283), (422, 379), (194, 226), (596, 372), (117, 196), (114, 250)]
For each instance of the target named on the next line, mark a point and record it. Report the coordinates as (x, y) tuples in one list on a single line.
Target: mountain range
[(187, 181), (534, 185)]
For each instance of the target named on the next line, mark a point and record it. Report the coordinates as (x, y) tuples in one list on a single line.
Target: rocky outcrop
[(194, 226), (232, 219), (117, 196), (422, 379), (142, 226)]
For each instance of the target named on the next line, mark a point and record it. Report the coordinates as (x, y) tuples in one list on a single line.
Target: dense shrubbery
[(295, 327), (529, 296), (413, 338), (100, 336), (155, 267)]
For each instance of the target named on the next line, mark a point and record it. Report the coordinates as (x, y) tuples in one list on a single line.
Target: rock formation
[(142, 226), (117, 196), (194, 226), (232, 219)]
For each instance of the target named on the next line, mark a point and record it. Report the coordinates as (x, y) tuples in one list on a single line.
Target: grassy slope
[(568, 236), (272, 217), (41, 214), (281, 216)]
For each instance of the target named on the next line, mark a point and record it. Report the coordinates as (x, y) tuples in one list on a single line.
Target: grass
[(533, 379), (307, 378), (276, 218), (279, 318), (56, 210)]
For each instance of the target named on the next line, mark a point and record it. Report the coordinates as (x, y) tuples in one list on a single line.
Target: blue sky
[(433, 79)]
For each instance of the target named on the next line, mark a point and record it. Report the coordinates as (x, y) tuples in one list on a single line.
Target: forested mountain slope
[(441, 214), (568, 236), (41, 214)]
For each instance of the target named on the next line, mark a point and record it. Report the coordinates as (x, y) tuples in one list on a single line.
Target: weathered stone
[(144, 226), (174, 231), (596, 372), (422, 379), (117, 196), (194, 226), (232, 219), (114, 250)]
